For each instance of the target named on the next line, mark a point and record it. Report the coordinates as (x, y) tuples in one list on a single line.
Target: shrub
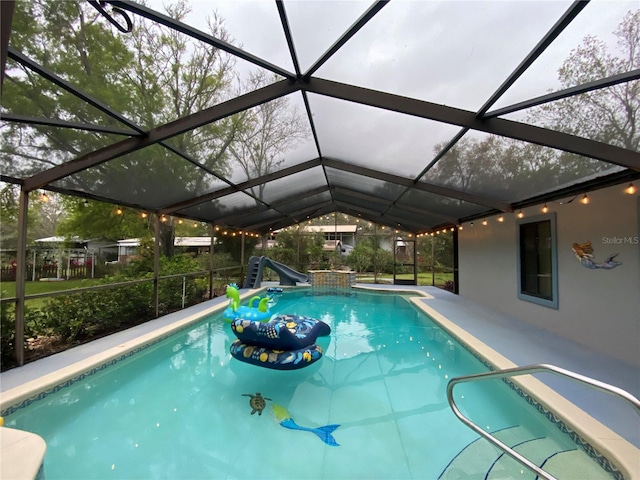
[(32, 324), (82, 316)]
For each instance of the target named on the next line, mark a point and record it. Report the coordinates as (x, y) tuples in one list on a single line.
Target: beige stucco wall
[(599, 308)]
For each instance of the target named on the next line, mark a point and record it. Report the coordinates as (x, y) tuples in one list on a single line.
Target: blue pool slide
[(288, 276)]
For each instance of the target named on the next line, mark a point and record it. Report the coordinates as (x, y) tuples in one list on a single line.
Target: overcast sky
[(456, 53)]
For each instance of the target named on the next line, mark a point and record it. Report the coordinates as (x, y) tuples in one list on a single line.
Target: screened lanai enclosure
[(413, 115)]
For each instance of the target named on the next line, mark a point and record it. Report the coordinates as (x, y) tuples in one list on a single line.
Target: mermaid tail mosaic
[(323, 433)]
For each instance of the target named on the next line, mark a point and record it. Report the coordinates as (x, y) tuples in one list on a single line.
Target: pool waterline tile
[(128, 350)]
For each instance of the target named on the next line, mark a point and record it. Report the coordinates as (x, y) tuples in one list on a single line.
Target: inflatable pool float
[(286, 342), (276, 359), (258, 308)]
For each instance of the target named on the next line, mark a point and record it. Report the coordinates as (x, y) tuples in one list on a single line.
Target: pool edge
[(613, 448), (605, 441), (41, 386)]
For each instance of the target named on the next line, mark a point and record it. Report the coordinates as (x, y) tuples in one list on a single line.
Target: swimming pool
[(176, 409)]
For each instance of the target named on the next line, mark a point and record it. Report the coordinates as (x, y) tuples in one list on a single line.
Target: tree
[(102, 220), (268, 131), (42, 217), (512, 170), (298, 249), (152, 76), (609, 115)]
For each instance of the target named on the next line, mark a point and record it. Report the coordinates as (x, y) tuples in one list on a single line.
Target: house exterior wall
[(596, 307)]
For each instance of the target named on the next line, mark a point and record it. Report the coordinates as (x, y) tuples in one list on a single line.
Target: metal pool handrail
[(524, 370)]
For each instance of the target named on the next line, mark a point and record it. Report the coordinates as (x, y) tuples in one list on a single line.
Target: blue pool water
[(176, 410)]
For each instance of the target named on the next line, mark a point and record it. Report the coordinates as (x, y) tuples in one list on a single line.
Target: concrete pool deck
[(521, 343)]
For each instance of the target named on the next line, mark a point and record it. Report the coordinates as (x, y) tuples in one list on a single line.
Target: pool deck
[(521, 343)]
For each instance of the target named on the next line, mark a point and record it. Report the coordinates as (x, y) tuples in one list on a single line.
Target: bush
[(83, 316), (32, 323), (170, 289)]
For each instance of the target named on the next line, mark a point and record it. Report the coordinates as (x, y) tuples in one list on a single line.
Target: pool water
[(176, 410)]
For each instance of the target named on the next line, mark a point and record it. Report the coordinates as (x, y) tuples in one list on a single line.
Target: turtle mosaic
[(257, 402)]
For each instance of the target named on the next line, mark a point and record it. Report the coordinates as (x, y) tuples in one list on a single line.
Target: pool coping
[(607, 443), (24, 457), (597, 438)]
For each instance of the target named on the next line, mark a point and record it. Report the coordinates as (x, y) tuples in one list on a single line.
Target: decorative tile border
[(41, 395), (602, 461)]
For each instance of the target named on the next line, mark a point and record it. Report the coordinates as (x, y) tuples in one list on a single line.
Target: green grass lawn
[(8, 289), (423, 278)]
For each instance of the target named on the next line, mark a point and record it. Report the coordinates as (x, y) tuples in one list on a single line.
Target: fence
[(8, 273)]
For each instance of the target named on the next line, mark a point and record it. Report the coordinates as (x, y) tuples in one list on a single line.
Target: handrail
[(529, 369)]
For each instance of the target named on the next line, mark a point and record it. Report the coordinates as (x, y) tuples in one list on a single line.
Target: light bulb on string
[(630, 190), (545, 209), (584, 200)]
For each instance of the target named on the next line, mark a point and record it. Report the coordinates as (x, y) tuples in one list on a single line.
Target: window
[(537, 261)]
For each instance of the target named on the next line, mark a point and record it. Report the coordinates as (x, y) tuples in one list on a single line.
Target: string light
[(118, 211), (86, 203), (520, 214), (501, 218), (484, 222), (44, 197), (630, 190), (584, 200), (163, 218), (545, 209), (143, 214), (180, 221)]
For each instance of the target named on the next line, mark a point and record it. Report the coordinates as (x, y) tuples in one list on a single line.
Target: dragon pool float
[(257, 310), (285, 342)]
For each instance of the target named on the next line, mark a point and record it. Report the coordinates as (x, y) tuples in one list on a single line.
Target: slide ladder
[(252, 273)]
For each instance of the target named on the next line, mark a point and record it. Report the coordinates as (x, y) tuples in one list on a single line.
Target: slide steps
[(483, 461)]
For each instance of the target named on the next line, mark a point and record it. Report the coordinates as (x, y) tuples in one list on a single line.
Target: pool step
[(475, 460), (536, 450), (575, 464), (483, 461)]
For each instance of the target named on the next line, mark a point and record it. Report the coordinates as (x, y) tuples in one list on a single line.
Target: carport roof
[(416, 115)]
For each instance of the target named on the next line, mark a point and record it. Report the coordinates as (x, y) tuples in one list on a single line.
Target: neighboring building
[(77, 246), (128, 247), (574, 271), (343, 234), (337, 237)]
